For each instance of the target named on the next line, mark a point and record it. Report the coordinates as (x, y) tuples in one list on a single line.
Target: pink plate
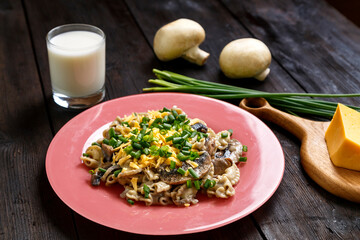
[(260, 176)]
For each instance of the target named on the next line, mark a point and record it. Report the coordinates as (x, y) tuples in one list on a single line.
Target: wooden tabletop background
[(314, 48)]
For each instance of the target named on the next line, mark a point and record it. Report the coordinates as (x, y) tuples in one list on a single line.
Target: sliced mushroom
[(96, 177), (235, 147), (174, 178), (108, 152), (109, 171), (200, 127), (221, 162), (210, 146)]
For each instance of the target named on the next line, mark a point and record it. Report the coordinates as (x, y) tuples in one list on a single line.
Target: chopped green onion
[(185, 152), (178, 146), (224, 135), (112, 132), (135, 131), (171, 118), (136, 155), (186, 136), (231, 132), (197, 184), (172, 164), (245, 148), (182, 157), (131, 202), (86, 155), (193, 173), (145, 144), (154, 150), (126, 124), (242, 159), (136, 145), (145, 119), (168, 139), (213, 183), (91, 171), (165, 110), (174, 112), (167, 126), (182, 117), (114, 143), (128, 149), (177, 140), (146, 190), (116, 173), (188, 144), (186, 148), (101, 169), (168, 154), (193, 155), (188, 183), (207, 183), (123, 139), (96, 144), (146, 151), (106, 141), (163, 131), (193, 134), (181, 171)]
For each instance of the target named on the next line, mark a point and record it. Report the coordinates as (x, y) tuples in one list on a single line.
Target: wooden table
[(314, 49)]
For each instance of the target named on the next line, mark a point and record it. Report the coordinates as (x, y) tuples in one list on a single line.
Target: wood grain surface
[(314, 49)]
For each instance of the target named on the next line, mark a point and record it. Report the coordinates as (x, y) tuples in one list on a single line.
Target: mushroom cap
[(245, 58), (176, 37)]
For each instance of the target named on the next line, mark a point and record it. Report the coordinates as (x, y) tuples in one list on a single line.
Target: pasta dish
[(163, 157)]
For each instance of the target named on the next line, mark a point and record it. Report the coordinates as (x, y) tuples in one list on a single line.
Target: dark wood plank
[(29, 207), (311, 40), (349, 8)]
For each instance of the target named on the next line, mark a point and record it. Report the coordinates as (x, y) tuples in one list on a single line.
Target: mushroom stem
[(261, 76), (196, 55)]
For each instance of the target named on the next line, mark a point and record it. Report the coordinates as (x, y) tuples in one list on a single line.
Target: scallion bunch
[(294, 103)]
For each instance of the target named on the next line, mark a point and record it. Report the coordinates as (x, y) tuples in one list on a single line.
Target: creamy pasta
[(163, 157)]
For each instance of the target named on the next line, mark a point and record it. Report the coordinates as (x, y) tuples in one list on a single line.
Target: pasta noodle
[(163, 157)]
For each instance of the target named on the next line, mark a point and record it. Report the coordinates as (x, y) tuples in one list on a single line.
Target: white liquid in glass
[(77, 63)]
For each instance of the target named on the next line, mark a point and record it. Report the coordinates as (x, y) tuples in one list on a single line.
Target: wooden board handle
[(263, 110)]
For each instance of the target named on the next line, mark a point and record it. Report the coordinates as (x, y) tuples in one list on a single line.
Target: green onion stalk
[(294, 103)]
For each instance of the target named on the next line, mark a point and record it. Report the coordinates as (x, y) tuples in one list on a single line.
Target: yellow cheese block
[(343, 138)]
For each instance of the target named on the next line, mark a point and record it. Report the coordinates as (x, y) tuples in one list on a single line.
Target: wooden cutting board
[(314, 155)]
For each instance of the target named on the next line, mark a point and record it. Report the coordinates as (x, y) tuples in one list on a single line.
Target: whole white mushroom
[(245, 58), (180, 38)]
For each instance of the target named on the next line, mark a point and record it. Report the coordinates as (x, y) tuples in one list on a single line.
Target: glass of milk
[(77, 65)]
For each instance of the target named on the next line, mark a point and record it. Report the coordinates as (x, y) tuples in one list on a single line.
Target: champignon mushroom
[(245, 58), (108, 152), (180, 38), (200, 127), (174, 178), (221, 161)]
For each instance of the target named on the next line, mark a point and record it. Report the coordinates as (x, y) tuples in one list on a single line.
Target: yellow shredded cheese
[(133, 165), (192, 163), (122, 160), (134, 183)]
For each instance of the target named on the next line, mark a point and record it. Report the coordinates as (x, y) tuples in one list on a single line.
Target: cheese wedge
[(343, 138)]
